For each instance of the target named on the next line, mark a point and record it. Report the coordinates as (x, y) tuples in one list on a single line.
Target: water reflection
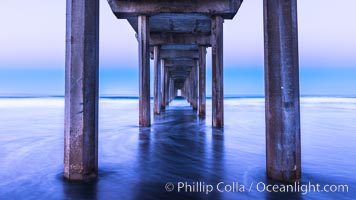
[(174, 150), (79, 190), (136, 163)]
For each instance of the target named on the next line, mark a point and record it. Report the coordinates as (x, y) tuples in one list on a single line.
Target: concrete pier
[(217, 71), (164, 77), (81, 90), (283, 146), (176, 34), (180, 28), (144, 70), (157, 81), (194, 79), (202, 80)]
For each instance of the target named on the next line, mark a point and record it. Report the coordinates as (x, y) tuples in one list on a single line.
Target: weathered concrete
[(157, 81), (180, 63), (144, 70), (178, 54), (188, 89), (217, 72), (195, 86), (202, 80), (168, 89), (176, 23), (283, 146), (163, 87), (126, 8), (180, 38), (165, 90), (171, 91), (81, 90), (181, 25)]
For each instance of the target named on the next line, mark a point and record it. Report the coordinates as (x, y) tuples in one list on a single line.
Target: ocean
[(179, 152)]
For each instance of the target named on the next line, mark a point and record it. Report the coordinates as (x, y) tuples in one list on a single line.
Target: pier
[(176, 35)]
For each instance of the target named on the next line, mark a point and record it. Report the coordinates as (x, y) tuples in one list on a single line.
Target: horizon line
[(118, 96)]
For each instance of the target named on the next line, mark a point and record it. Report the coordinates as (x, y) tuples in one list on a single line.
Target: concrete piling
[(157, 81), (202, 80), (179, 52), (164, 77), (194, 87), (283, 146), (217, 71), (144, 70), (81, 90)]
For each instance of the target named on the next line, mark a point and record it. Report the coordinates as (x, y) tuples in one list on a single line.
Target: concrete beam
[(180, 38), (217, 72), (179, 68), (184, 71), (187, 47), (144, 71), (177, 54), (283, 146), (191, 23), (172, 63), (126, 8), (81, 90), (180, 75)]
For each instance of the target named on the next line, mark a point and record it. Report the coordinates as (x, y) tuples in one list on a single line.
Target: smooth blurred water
[(136, 163)]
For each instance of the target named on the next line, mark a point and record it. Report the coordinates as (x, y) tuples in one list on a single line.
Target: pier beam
[(283, 156), (202, 80), (81, 90), (157, 81), (217, 71), (144, 70)]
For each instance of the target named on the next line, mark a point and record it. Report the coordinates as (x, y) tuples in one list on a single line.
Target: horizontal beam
[(179, 68), (182, 76), (179, 76), (187, 47), (172, 63), (175, 54), (180, 38), (179, 72), (126, 8)]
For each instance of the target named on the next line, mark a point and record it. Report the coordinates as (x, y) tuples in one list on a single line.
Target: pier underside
[(176, 35)]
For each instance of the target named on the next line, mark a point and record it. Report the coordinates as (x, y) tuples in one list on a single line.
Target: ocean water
[(180, 148)]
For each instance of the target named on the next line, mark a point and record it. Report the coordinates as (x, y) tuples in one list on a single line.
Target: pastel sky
[(32, 41)]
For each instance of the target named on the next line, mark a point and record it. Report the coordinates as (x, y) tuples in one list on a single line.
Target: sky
[(32, 49)]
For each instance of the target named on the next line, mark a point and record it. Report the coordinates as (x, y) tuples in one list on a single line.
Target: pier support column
[(163, 85), (144, 70), (166, 82), (157, 81), (195, 86), (283, 146), (81, 90), (171, 90), (202, 80), (217, 71), (189, 88)]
